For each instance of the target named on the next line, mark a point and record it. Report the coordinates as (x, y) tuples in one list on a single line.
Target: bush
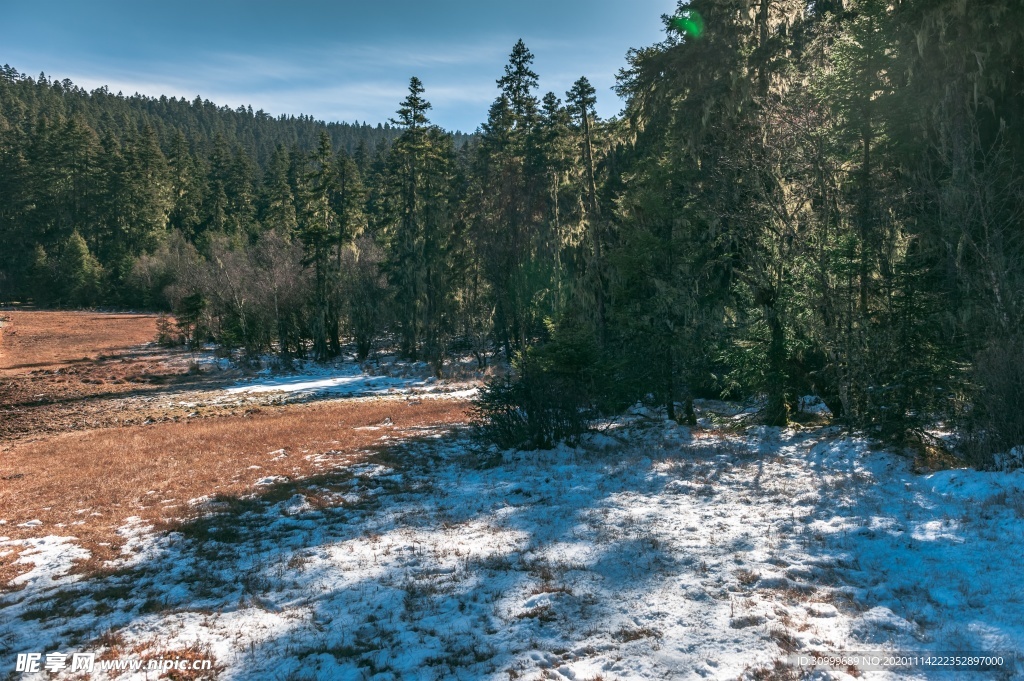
[(165, 335), (995, 422), (553, 394), (162, 279)]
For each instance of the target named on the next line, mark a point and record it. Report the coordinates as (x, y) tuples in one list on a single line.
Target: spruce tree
[(580, 101), (81, 275), (510, 207), (186, 182), (420, 228), (318, 229), (278, 201)]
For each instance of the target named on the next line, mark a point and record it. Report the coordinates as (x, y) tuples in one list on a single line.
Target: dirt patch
[(87, 485)]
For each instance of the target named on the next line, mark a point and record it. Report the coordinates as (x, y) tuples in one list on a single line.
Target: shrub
[(553, 394), (162, 279), (165, 335), (995, 422)]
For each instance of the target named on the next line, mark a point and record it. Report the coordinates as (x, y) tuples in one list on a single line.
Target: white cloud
[(347, 81)]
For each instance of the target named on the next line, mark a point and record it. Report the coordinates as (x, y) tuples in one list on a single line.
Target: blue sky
[(336, 60)]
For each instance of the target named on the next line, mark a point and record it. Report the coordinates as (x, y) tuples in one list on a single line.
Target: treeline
[(123, 172), (800, 197)]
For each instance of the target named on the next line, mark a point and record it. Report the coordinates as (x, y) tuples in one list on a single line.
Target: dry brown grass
[(930, 455), (194, 652), (106, 394), (48, 340), (87, 484), (62, 371), (747, 577), (626, 634)]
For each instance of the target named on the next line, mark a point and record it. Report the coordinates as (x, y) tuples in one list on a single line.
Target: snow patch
[(659, 552)]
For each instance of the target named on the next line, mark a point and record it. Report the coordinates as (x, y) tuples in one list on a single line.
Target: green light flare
[(689, 22)]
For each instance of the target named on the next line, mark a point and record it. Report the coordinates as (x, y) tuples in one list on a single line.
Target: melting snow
[(344, 380), (348, 380), (682, 554)]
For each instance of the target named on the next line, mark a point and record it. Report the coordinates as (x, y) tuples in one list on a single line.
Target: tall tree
[(186, 179), (141, 199), (419, 221), (510, 206), (319, 230), (581, 100), (278, 201)]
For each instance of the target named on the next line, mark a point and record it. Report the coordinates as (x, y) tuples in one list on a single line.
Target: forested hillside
[(799, 198)]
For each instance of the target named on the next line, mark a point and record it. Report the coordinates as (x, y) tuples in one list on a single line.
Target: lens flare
[(689, 22)]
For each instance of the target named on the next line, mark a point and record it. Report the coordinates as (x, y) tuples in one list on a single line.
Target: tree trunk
[(670, 382), (595, 225), (777, 409)]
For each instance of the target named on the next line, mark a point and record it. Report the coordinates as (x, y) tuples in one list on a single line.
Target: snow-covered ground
[(651, 552), (350, 380), (344, 380)]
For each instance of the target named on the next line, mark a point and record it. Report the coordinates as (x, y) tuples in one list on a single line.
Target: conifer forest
[(820, 197)]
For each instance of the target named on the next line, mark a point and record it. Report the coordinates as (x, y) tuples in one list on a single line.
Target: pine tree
[(240, 188), (348, 201), (77, 194), (562, 236), (518, 85), (215, 204), (581, 100), (141, 200), (319, 229), (186, 180), (510, 207), (420, 228), (81, 275), (278, 201), (16, 256)]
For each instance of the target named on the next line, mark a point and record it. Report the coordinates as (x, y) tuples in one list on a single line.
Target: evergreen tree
[(241, 193), (561, 236), (278, 201), (420, 226), (518, 85), (580, 101), (140, 202), (186, 188), (319, 230), (19, 243), (800, 197), (510, 208), (215, 204), (81, 275)]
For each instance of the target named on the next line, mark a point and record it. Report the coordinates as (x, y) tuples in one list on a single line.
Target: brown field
[(32, 340), (65, 371), (75, 389), (87, 485)]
